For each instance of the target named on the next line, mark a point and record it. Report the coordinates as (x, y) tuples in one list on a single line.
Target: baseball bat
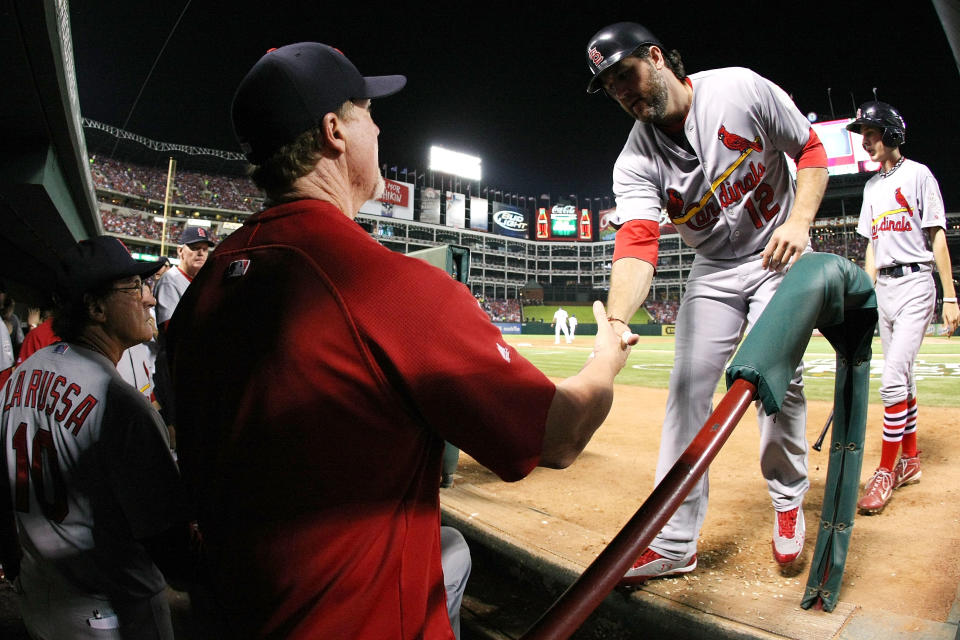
[(599, 579), (823, 434)]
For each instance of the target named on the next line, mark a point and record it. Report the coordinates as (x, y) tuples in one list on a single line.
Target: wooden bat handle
[(584, 595)]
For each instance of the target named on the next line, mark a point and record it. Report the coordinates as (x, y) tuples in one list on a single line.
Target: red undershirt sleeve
[(638, 239), (813, 154)]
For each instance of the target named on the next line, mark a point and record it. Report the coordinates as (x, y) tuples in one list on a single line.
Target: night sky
[(506, 81)]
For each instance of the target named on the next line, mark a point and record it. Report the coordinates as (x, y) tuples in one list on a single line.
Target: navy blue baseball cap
[(98, 261), (194, 233), (289, 91)]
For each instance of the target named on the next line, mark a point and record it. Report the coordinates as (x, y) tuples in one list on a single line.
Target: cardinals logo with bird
[(738, 143)]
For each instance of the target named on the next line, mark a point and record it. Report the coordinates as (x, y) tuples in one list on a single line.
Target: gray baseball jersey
[(136, 366), (898, 207), (728, 196), (168, 291), (89, 471), (725, 194)]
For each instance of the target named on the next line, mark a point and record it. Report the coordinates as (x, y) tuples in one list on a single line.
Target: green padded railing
[(830, 293)]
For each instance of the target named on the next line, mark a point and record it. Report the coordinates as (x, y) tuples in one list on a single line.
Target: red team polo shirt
[(318, 375)]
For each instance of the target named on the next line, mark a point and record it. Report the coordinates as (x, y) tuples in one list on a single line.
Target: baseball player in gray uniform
[(88, 484), (195, 245), (903, 218), (711, 149)]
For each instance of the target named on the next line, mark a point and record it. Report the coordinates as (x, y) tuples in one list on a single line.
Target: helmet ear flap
[(892, 137), (882, 116)]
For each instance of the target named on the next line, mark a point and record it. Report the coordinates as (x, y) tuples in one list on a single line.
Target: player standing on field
[(903, 218), (560, 324), (709, 148)]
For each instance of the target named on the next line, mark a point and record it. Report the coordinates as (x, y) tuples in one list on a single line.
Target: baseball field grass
[(937, 369)]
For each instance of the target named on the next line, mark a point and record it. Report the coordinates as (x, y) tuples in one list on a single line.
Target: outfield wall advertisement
[(456, 210), (396, 201), (430, 205), (508, 221), (478, 214)]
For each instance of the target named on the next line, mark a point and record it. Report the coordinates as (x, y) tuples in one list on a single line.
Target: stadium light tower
[(455, 163)]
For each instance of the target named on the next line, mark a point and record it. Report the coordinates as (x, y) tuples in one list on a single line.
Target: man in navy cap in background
[(195, 245)]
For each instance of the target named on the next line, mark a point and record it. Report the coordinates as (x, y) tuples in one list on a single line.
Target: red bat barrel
[(584, 595)]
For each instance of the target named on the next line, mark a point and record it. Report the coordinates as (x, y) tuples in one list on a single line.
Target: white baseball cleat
[(906, 471), (789, 532)]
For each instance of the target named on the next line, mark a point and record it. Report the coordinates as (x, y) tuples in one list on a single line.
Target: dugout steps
[(523, 559)]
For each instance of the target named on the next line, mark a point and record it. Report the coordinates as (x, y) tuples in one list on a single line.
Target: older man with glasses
[(89, 493)]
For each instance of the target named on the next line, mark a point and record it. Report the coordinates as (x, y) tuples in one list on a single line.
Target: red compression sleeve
[(813, 154), (637, 239)]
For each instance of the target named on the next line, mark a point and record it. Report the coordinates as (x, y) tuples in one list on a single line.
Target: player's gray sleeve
[(637, 196), (933, 212), (134, 450), (9, 542), (167, 297), (865, 222), (787, 127)]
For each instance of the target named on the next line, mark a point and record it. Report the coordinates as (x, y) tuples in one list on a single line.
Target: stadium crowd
[(662, 311), (501, 310), (137, 226), (234, 193), (831, 240), (240, 194)]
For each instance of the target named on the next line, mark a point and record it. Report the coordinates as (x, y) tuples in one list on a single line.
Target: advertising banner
[(430, 205), (564, 222), (507, 221), (845, 152), (396, 201), (607, 232), (456, 210), (478, 214)]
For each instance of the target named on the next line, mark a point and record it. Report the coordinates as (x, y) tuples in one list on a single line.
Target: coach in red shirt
[(312, 436)]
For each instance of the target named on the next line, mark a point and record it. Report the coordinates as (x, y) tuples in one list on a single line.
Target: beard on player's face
[(647, 101)]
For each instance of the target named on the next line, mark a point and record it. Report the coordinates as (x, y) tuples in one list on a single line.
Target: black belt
[(900, 270)]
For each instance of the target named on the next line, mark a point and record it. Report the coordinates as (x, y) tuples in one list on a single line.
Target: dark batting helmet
[(613, 43), (883, 117)]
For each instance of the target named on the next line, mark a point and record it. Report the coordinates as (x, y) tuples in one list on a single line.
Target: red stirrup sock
[(894, 421), (909, 445)]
